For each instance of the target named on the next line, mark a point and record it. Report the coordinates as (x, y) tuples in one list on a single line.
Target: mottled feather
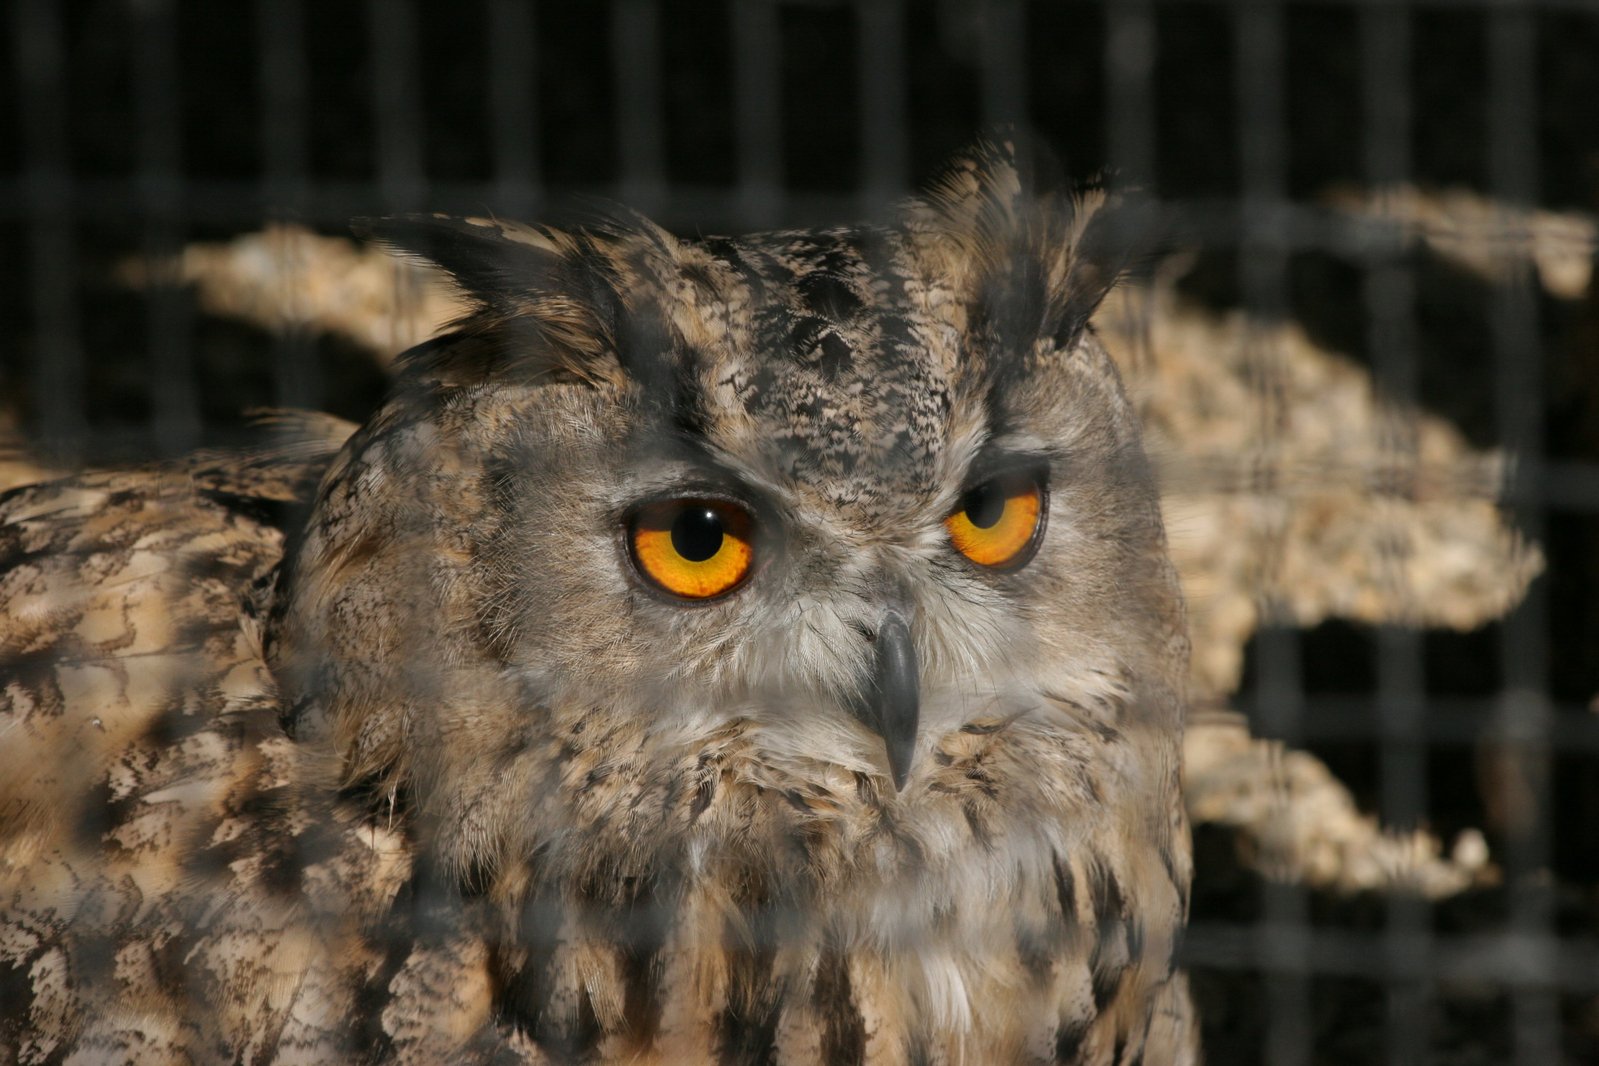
[(380, 749)]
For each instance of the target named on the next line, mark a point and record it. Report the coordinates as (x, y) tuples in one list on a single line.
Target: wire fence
[(136, 127)]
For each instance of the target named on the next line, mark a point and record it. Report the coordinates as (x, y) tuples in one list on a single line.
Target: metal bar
[(1215, 222), (285, 154), (45, 199), (397, 115), (1460, 722), (1524, 771), (396, 112), (1389, 296), (1130, 48), (1455, 5), (173, 393), (285, 132), (1259, 80), (1510, 959), (885, 112), (758, 115), (1548, 5), (1002, 59), (514, 116), (636, 44)]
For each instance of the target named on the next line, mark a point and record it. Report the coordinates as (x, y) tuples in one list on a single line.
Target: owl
[(731, 650)]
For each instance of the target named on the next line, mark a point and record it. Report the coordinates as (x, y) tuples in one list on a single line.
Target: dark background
[(135, 126)]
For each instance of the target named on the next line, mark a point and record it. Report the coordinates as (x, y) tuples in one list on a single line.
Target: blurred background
[(1369, 371)]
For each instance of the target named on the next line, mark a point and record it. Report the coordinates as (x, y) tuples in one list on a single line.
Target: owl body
[(440, 761)]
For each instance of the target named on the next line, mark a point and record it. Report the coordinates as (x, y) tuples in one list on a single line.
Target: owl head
[(783, 513)]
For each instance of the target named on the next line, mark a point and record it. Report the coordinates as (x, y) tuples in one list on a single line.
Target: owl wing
[(177, 877)]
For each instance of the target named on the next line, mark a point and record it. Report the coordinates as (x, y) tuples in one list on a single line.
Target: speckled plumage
[(412, 767)]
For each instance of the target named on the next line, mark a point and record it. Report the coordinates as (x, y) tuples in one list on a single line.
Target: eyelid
[(695, 486), (989, 466)]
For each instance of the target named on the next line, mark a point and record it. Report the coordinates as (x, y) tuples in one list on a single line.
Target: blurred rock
[(1289, 487), (1491, 239), (1297, 823), (289, 278)]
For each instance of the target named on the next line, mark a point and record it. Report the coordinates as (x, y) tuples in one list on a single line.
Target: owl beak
[(889, 702)]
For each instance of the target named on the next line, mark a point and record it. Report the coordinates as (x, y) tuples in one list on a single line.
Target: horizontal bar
[(1534, 5), (1514, 960), (1452, 721), (1287, 224)]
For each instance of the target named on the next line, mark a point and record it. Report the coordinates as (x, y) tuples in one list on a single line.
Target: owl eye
[(696, 549), (997, 524)]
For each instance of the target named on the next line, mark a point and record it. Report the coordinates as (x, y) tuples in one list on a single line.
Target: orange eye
[(696, 549), (997, 523)]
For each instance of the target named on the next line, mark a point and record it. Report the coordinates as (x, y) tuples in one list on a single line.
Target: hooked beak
[(889, 700)]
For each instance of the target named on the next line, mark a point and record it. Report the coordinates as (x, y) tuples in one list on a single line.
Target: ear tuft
[(544, 302), (496, 264), (1113, 236), (1037, 258)]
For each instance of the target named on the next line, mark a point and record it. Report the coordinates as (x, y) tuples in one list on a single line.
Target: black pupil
[(697, 534), (984, 504)]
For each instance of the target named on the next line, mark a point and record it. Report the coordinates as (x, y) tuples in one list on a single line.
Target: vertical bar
[(757, 100), (636, 46), (173, 392), (1130, 50), (1389, 293), (58, 374), (296, 376), (884, 109), (396, 113), (1129, 98), (513, 76), (1389, 296), (1525, 710), (1263, 265), (284, 83), (397, 116), (1002, 58)]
